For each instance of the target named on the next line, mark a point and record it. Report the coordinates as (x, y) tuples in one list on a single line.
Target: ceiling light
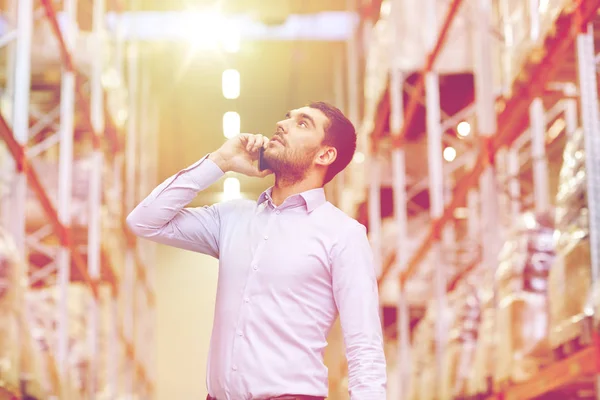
[(449, 154), (358, 158), (231, 84), (463, 129), (231, 124), (461, 213)]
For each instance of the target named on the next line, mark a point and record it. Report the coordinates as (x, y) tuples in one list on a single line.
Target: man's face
[(292, 149)]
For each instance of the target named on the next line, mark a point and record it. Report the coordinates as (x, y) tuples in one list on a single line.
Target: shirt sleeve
[(162, 218), (357, 299)]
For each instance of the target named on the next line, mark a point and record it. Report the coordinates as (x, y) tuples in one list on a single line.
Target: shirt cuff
[(368, 395)]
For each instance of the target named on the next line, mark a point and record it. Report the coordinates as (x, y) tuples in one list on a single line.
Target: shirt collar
[(311, 198)]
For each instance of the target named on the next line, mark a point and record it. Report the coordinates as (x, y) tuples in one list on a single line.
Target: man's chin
[(271, 152)]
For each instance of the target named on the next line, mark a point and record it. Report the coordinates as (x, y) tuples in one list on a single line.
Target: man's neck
[(283, 190)]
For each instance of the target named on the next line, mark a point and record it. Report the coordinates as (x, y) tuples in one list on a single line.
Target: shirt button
[(234, 368), (255, 267), (240, 334), (246, 300), (277, 212), (266, 237)]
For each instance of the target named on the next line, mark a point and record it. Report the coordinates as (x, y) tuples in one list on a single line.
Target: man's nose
[(281, 127)]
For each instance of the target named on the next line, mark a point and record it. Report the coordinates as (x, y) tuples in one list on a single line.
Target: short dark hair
[(339, 133)]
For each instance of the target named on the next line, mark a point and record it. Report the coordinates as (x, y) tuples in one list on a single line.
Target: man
[(288, 264)]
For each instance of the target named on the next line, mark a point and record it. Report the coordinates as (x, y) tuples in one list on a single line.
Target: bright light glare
[(461, 213), (359, 157), (231, 188), (230, 37), (529, 220), (385, 9), (449, 154), (202, 28), (231, 124), (463, 129), (231, 84), (210, 30)]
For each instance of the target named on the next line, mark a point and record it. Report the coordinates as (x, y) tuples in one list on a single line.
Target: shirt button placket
[(239, 333)]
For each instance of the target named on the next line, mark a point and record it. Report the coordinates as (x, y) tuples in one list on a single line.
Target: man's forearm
[(171, 196), (219, 160)]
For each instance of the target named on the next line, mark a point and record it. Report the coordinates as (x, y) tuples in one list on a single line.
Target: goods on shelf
[(46, 53), (462, 339), (570, 277), (423, 384), (20, 361), (516, 24), (416, 358), (10, 297), (110, 209), (522, 297), (417, 290), (482, 370), (422, 348), (377, 64), (42, 305), (47, 170)]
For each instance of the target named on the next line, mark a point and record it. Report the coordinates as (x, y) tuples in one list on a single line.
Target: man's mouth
[(277, 139)]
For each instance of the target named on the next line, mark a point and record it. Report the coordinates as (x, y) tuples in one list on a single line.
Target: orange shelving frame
[(585, 363), (108, 143), (511, 120)]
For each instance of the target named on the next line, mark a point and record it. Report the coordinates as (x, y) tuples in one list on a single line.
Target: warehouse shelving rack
[(103, 256), (501, 122)]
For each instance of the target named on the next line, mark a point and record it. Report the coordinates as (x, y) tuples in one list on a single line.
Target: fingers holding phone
[(256, 142), (241, 153)]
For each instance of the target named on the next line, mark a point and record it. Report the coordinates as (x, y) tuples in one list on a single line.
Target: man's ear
[(326, 156)]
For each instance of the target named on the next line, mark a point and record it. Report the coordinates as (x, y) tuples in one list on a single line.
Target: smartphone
[(262, 163)]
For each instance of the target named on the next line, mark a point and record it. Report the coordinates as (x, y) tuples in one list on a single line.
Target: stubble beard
[(288, 166)]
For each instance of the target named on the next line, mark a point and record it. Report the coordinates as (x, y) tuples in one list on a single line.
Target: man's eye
[(303, 124)]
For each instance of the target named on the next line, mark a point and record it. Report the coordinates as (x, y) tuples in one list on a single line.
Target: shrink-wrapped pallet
[(422, 355), (377, 64), (42, 307), (522, 287), (481, 373), (20, 362), (424, 383), (11, 292), (426, 378), (570, 276), (417, 359), (462, 339), (47, 169), (524, 29)]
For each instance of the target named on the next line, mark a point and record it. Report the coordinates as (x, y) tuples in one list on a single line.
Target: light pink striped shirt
[(284, 274)]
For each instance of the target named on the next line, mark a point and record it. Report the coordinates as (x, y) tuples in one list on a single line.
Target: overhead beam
[(174, 26)]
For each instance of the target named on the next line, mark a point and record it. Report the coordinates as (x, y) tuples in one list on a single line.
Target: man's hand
[(239, 154)]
